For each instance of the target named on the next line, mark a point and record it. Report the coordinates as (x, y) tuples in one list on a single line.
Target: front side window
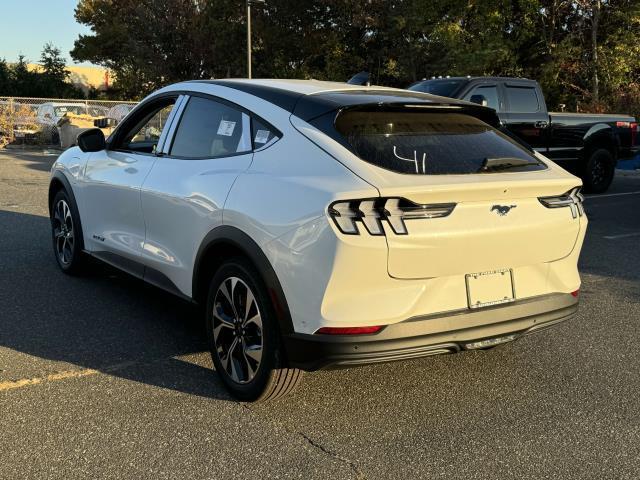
[(522, 99), (211, 129), (432, 143), (142, 132), (490, 94)]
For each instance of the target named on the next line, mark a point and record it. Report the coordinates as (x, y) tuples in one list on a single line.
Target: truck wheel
[(599, 171)]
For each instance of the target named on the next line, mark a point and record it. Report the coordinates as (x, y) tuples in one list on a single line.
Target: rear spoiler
[(487, 115)]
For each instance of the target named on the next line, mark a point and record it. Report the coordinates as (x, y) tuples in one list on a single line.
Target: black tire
[(246, 378), (66, 234), (599, 171)]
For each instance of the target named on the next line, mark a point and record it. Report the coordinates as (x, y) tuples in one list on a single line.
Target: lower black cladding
[(416, 337)]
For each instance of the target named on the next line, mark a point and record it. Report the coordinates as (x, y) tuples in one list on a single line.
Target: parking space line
[(607, 195), (25, 382), (623, 235), (54, 377)]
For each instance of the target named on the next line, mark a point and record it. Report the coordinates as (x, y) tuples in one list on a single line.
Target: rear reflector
[(576, 293), (348, 330), (490, 342)]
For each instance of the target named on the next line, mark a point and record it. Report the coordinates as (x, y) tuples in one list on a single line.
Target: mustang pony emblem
[(502, 209)]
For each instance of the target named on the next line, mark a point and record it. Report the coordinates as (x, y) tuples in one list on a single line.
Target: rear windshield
[(444, 88), (432, 143)]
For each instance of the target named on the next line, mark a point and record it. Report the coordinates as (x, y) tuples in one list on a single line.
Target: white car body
[(152, 215)]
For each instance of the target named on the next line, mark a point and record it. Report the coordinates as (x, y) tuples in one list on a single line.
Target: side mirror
[(105, 122), (479, 99), (91, 140)]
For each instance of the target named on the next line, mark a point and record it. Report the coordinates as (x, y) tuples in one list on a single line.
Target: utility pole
[(249, 3)]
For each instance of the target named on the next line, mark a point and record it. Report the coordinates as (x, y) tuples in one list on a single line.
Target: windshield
[(444, 88), (432, 143)]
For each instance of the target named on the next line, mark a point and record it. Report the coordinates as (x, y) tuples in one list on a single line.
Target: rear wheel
[(599, 171), (243, 335)]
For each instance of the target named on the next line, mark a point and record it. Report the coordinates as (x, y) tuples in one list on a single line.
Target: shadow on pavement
[(37, 158), (103, 319)]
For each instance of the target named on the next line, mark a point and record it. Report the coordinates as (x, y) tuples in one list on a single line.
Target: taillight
[(348, 330), (347, 214), (576, 293), (633, 126), (572, 199)]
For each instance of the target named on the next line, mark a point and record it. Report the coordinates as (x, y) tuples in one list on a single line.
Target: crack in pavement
[(332, 454), (318, 446)]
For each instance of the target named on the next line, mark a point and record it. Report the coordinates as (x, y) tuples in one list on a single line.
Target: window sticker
[(262, 136), (226, 128)]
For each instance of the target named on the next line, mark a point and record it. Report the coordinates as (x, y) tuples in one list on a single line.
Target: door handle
[(541, 124)]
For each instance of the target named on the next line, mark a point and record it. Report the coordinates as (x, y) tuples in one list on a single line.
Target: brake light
[(576, 293), (348, 330), (371, 213), (633, 126), (572, 199)]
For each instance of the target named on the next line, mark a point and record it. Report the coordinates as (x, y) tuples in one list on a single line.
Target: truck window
[(490, 92), (522, 99), (444, 88)]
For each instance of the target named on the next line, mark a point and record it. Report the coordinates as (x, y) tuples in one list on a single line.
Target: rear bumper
[(629, 152), (436, 334)]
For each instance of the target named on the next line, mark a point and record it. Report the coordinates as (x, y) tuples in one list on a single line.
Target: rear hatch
[(468, 195)]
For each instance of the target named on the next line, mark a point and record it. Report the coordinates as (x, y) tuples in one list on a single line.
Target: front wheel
[(599, 171), (243, 335), (66, 234)]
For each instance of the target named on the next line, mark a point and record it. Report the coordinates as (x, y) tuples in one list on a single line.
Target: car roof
[(63, 104), (302, 87), (469, 78), (308, 99)]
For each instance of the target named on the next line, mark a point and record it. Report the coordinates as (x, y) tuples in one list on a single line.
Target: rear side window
[(522, 99), (263, 134), (432, 143), (210, 129)]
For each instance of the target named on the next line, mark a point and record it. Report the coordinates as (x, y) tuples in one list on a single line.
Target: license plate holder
[(494, 287)]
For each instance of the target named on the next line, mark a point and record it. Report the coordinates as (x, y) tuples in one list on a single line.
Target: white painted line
[(612, 195), (624, 235)]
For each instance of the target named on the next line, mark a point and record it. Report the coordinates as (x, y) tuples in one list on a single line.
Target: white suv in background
[(321, 224)]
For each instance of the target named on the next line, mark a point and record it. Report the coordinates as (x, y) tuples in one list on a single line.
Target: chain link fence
[(53, 121)]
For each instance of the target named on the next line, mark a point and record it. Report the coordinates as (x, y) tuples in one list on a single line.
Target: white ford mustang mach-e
[(323, 225)]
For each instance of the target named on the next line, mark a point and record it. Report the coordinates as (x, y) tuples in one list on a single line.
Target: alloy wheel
[(237, 330), (63, 232)]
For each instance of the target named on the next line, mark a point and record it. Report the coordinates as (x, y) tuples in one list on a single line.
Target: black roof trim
[(282, 98), (310, 106)]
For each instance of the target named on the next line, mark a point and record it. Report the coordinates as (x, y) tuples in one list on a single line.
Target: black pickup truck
[(588, 145)]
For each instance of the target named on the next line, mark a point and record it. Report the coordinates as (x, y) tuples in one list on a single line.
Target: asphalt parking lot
[(105, 377)]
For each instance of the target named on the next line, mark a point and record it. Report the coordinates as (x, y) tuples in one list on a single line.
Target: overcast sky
[(26, 25)]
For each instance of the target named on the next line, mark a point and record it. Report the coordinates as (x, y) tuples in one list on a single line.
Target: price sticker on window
[(262, 136), (226, 128)]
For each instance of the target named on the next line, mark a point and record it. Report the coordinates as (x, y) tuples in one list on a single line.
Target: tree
[(53, 65), (6, 81), (54, 75), (584, 52)]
